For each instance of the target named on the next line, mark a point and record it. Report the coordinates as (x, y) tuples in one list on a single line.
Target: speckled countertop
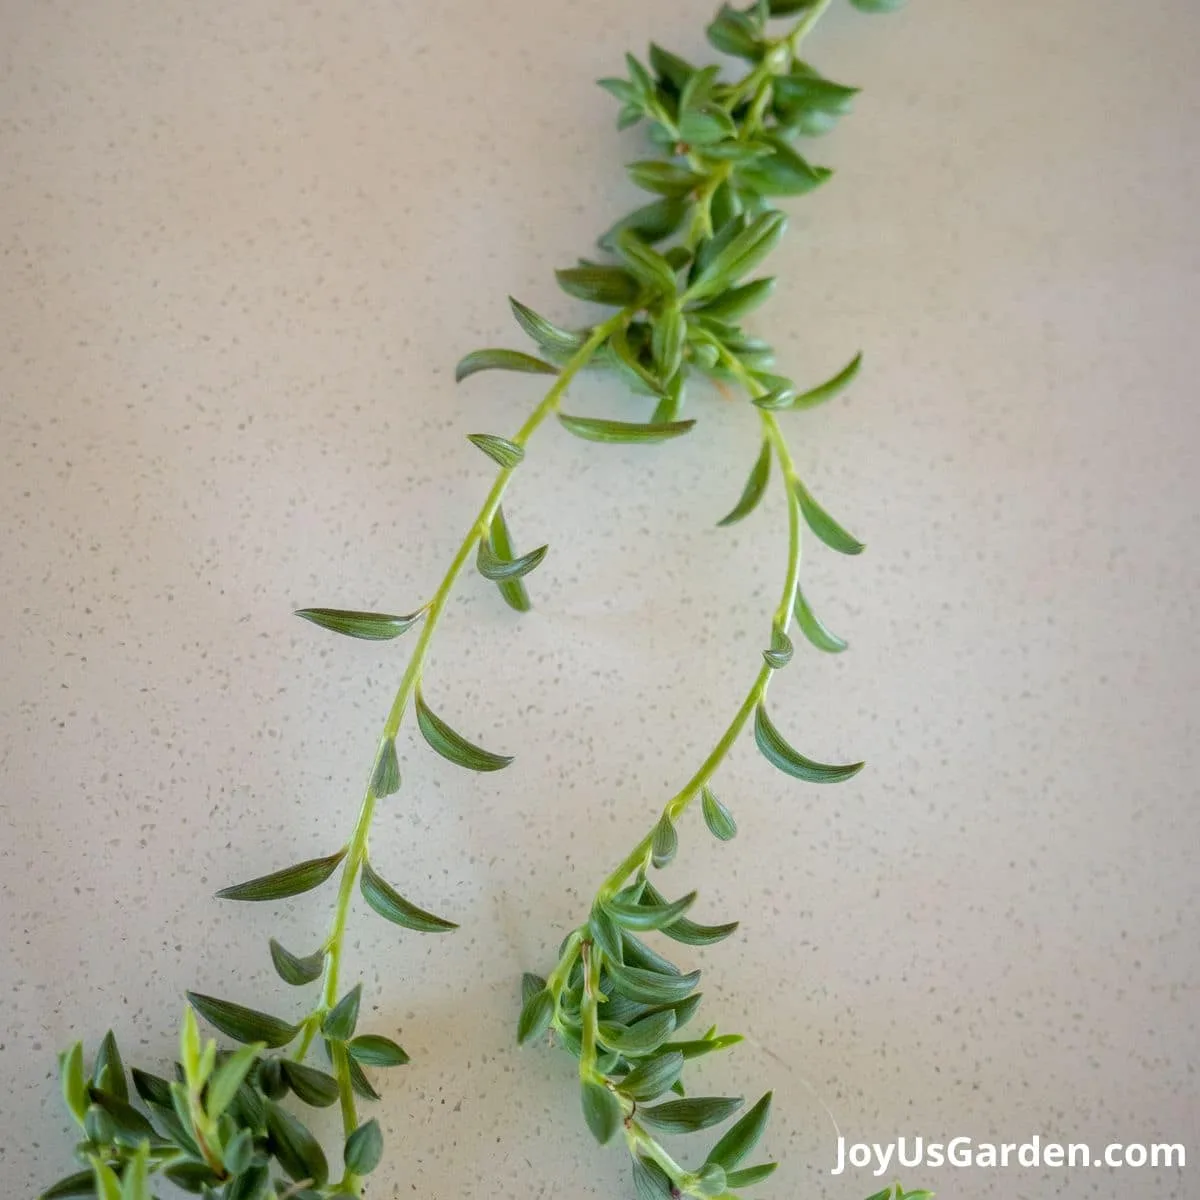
[(241, 246)]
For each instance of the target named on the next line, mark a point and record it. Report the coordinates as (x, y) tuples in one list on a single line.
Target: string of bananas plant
[(676, 282)]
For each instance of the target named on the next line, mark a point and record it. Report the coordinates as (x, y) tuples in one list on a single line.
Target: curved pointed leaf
[(241, 1023), (558, 343), (82, 1183), (813, 628), (536, 1014), (371, 627), (511, 590), (385, 780), (650, 1181), (311, 1086), (501, 360), (665, 844), (298, 1152), (375, 1050), (742, 1136), (293, 969), (749, 1176), (831, 387), (780, 653), (453, 746), (640, 1038), (690, 1115), (601, 1111), (644, 917), (651, 987), (692, 934), (499, 449), (291, 881), (651, 1078), (600, 285), (108, 1071), (755, 486), (779, 754), (390, 905), (824, 526), (364, 1148), (592, 429), (502, 570), (339, 1022), (717, 817)]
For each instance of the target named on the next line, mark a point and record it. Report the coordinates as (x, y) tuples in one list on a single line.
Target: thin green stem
[(356, 854)]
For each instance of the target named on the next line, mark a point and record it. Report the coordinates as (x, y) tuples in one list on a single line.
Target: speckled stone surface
[(241, 247)]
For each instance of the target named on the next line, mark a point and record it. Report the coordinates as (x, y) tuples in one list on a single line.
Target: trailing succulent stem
[(677, 279)]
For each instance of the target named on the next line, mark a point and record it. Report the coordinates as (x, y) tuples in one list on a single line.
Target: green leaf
[(702, 1046), (651, 1078), (386, 778), (194, 1177), (105, 1181), (151, 1088), (189, 1044), (644, 262), (706, 126), (511, 590), (717, 817), (650, 1181), (390, 905), (638, 954), (691, 1115), (783, 173), (271, 1080), (878, 6), (499, 449), (742, 254), (831, 387), (558, 343), (735, 33), (738, 301), (501, 360), (594, 430), (599, 285), (824, 526), (644, 917), (74, 1082), (651, 987), (779, 754), (251, 1184), (601, 1111), (129, 1127), (787, 8), (453, 746), (310, 1085), (710, 1179), (668, 179), (531, 984), (640, 1038), (298, 1152), (605, 933), (108, 1071), (291, 881), (371, 627), (692, 934), (814, 630), (749, 1176), (359, 1082), (670, 67), (503, 570), (665, 843), (241, 1023), (620, 354), (741, 1137), (669, 340), (781, 651), (375, 1050), (778, 398), (228, 1077), (293, 969), (82, 1183), (536, 1015), (650, 223), (804, 92), (239, 1152), (364, 1148)]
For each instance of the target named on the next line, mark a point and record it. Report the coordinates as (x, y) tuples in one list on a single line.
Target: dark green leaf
[(502, 570), (650, 223), (787, 8), (691, 1115), (310, 1085), (622, 89), (512, 590), (502, 360), (499, 449), (749, 1176), (600, 285), (651, 1078), (737, 301), (293, 969), (779, 754), (536, 1015), (271, 1080), (783, 173), (371, 627), (638, 954), (359, 1082), (711, 1179), (742, 254), (128, 1125), (605, 933), (239, 1152), (706, 126), (650, 1181), (601, 1111), (375, 1050), (717, 817), (804, 91), (299, 1153), (824, 526), (595, 430), (640, 1038), (668, 179), (151, 1088), (742, 1137), (733, 32), (781, 651), (813, 629), (291, 881), (390, 905), (453, 746), (558, 343), (531, 984), (644, 917), (830, 388), (651, 987), (692, 934), (670, 338), (878, 6), (364, 1148), (241, 1023), (386, 779), (621, 355), (82, 1183), (98, 1126), (644, 262), (108, 1072), (251, 1184), (665, 843)]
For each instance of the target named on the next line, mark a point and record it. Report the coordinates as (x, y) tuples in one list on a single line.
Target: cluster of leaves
[(218, 1129)]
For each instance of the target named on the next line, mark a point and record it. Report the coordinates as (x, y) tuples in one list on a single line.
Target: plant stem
[(356, 854)]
